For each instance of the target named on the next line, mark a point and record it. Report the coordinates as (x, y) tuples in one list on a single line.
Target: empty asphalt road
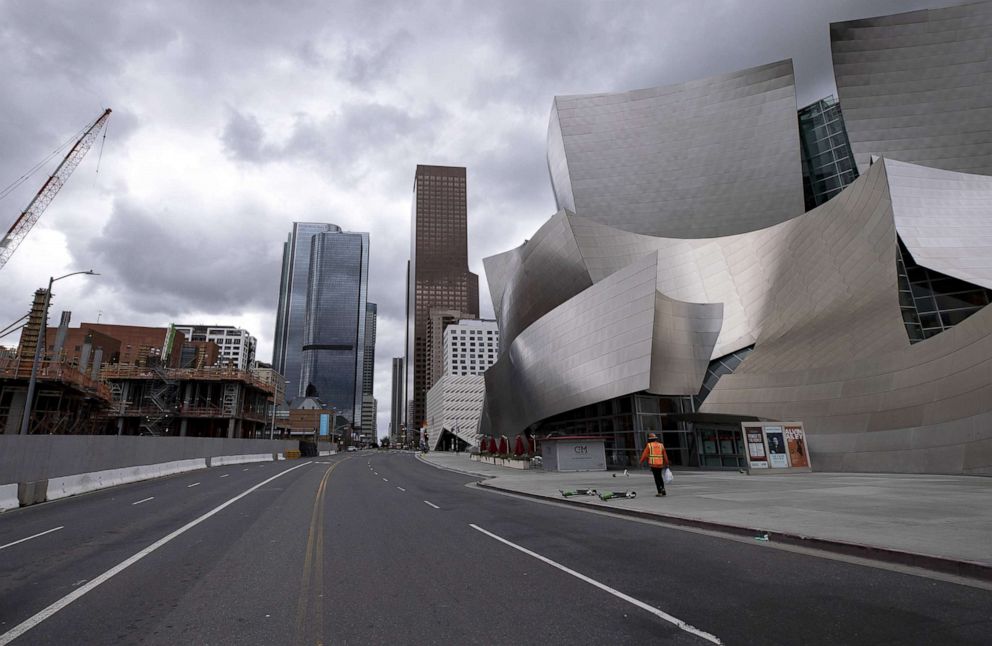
[(381, 548)]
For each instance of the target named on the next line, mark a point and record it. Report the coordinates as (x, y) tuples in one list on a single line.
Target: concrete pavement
[(940, 522)]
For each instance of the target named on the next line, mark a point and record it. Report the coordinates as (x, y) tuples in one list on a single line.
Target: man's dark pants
[(659, 478)]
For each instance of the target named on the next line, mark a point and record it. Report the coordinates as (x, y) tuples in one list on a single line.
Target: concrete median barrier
[(36, 468), (65, 486), (222, 460), (8, 497)]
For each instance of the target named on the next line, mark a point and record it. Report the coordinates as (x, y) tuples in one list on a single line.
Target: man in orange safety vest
[(657, 459)]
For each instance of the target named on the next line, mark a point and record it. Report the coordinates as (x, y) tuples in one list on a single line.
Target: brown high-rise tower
[(438, 275)]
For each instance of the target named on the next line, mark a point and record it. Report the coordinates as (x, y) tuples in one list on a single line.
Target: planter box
[(504, 462)]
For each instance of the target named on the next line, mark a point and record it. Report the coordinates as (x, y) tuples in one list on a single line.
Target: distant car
[(351, 448)]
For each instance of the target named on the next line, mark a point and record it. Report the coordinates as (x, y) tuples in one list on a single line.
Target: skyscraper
[(397, 400), (287, 350), (438, 275), (368, 372), (320, 324)]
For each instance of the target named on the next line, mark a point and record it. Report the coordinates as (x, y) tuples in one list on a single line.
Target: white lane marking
[(47, 531), (616, 593), (192, 485), (431, 504), (143, 500), (247, 469), (33, 621), (385, 480), (401, 488), (225, 475), (376, 472)]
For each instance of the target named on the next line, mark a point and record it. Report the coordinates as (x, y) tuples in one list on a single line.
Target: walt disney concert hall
[(720, 256)]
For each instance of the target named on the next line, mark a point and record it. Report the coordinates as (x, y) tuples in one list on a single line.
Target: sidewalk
[(940, 522)]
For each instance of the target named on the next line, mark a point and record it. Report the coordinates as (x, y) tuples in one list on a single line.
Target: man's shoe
[(664, 493), (659, 495)]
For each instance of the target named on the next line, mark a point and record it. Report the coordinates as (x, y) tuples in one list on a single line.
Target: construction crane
[(49, 190)]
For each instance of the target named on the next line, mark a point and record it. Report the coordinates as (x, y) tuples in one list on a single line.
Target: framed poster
[(778, 458), (756, 454), (795, 438), (776, 446)]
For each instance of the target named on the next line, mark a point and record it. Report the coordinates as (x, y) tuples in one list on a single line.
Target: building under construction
[(68, 400), (203, 402), (128, 380)]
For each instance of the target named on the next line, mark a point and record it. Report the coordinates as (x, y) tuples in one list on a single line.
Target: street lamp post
[(42, 331)]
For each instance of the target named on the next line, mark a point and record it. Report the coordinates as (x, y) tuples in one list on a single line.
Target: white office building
[(237, 346), (454, 403), (470, 347)]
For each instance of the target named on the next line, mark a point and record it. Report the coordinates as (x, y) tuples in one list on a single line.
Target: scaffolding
[(208, 402)]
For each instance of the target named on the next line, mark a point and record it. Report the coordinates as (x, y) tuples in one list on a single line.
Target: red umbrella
[(518, 446), (504, 446), (492, 445)]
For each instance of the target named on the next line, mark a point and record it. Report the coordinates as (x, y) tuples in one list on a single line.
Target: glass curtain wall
[(625, 423), (932, 302), (828, 164)]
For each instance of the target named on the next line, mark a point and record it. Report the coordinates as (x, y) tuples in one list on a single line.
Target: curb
[(458, 471), (965, 569)]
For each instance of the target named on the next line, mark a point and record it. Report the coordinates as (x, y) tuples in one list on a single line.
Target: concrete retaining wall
[(35, 468)]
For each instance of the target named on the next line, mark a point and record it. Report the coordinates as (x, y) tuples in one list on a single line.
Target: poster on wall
[(796, 440), (777, 456), (755, 447)]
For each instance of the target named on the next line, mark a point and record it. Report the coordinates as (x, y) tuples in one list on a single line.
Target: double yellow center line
[(311, 599)]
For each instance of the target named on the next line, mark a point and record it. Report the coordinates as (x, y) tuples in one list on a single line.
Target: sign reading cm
[(573, 453)]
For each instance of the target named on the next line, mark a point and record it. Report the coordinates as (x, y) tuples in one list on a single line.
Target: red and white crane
[(48, 191)]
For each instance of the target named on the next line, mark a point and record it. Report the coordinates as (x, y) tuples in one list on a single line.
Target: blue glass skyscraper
[(320, 324)]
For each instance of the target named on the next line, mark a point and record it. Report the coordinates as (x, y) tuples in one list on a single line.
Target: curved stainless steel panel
[(945, 219), (617, 337), (914, 86), (922, 409), (706, 158), (536, 277)]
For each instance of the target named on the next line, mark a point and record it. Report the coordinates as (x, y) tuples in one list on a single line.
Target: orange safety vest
[(655, 454)]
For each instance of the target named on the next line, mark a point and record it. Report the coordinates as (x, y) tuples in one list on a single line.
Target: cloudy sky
[(233, 119)]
